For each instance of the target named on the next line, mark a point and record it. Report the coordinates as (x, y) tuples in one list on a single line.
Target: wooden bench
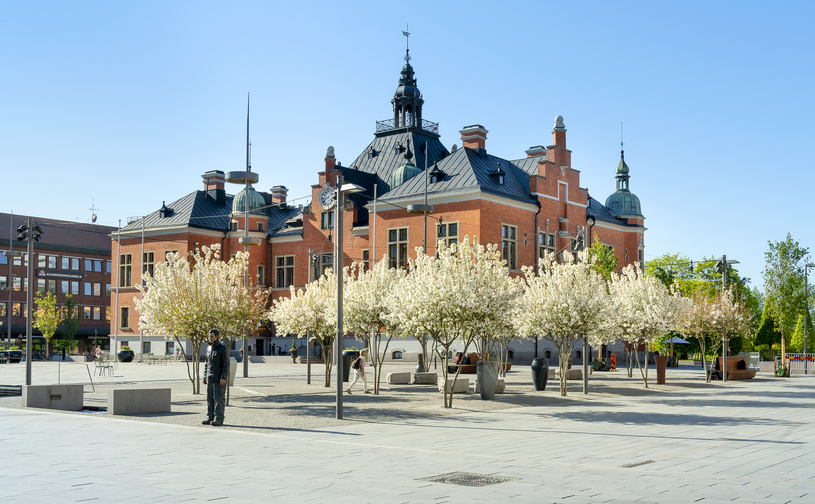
[(736, 368), (472, 367)]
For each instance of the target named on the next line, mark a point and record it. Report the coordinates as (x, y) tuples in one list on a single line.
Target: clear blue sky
[(122, 105)]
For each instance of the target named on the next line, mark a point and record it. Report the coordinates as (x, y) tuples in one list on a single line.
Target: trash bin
[(662, 363), (347, 357)]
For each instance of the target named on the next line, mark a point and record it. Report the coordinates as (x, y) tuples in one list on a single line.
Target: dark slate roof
[(197, 209), (601, 213), (385, 161), (59, 235), (285, 221), (468, 170)]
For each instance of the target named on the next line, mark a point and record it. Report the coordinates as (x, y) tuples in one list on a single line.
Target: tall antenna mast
[(248, 163), (621, 137)]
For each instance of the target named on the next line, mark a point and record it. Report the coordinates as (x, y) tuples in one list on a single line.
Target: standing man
[(216, 371)]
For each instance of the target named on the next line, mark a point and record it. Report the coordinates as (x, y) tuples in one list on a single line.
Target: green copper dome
[(623, 203), (405, 172), (256, 202)]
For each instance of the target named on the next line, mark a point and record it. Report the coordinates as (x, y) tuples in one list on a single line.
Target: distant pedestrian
[(216, 370), (358, 366), (98, 352)]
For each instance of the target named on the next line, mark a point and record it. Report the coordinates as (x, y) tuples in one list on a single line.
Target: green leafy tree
[(784, 282), (766, 334), (603, 260), (47, 317), (797, 342), (70, 320)]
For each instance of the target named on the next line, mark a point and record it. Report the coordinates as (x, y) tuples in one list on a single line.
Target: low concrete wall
[(425, 378), (61, 397), (399, 378), (462, 386), (138, 401)]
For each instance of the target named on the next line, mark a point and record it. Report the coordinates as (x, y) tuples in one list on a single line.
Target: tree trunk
[(563, 358)]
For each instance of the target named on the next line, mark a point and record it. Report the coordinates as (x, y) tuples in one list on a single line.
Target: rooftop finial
[(248, 162), (621, 140), (407, 43)]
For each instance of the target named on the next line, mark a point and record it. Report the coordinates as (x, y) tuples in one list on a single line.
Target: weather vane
[(406, 33)]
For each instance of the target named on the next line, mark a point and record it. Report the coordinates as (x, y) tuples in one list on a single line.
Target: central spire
[(407, 100)]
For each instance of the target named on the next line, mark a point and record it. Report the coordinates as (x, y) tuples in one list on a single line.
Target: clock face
[(327, 197)]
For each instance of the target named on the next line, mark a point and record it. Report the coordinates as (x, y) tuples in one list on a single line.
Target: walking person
[(216, 371), (358, 365)]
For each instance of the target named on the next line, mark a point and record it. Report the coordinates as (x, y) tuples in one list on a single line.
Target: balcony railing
[(389, 124)]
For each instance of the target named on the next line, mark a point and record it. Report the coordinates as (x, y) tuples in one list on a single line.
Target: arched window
[(396, 355)]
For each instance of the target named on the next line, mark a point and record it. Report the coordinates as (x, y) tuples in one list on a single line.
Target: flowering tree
[(644, 310), (47, 318), (728, 319), (366, 307), (187, 297), (566, 302), (451, 297), (314, 310)]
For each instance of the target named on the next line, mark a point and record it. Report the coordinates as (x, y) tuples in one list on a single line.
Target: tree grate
[(468, 479)]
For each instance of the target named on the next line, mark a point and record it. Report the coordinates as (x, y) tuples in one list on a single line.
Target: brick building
[(71, 258), (528, 205)]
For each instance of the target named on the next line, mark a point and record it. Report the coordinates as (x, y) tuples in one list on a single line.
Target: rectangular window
[(52, 286), (20, 284), (74, 288), (3, 312), (107, 289), (284, 271), (260, 226), (366, 260), (169, 252), (21, 260), (546, 243), (261, 275), (447, 233), (88, 289), (47, 261), (3, 281), (40, 285), (233, 226), (327, 220), (509, 245), (107, 267), (124, 318), (148, 261), (321, 263), (97, 313), (87, 313), (88, 264), (3, 257), (97, 265), (169, 348), (75, 263), (97, 289), (146, 347), (125, 270), (66, 263), (65, 286), (19, 310), (398, 247)]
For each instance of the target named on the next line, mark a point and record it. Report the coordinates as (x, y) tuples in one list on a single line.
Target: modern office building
[(70, 259)]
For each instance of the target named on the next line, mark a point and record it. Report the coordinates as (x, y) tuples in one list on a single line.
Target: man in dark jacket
[(216, 371)]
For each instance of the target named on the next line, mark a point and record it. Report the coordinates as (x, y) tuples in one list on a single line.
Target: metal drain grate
[(637, 464), (467, 479)]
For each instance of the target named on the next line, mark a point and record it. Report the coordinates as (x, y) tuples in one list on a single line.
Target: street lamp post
[(806, 309), (722, 266), (338, 228), (31, 232)]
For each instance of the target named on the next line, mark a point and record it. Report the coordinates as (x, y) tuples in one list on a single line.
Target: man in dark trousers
[(216, 371)]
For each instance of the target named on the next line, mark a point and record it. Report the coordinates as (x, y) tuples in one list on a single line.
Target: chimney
[(474, 137), (559, 133), (536, 150), (213, 180), (279, 194), (330, 160)]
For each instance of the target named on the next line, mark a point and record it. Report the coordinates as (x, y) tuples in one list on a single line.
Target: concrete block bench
[(399, 378), (425, 378), (60, 397), (571, 374), (137, 401), (499, 388), (462, 386)]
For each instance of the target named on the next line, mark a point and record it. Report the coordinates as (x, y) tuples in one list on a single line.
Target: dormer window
[(436, 175), (499, 174), (399, 149), (165, 211), (371, 153)]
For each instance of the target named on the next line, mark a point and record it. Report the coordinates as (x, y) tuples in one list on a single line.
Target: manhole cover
[(467, 479)]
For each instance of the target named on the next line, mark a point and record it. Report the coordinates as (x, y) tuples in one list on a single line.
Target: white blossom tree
[(366, 308), (451, 297), (186, 297), (564, 303), (314, 310)]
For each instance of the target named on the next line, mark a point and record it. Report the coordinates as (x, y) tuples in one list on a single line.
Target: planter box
[(138, 401), (399, 378), (462, 386), (60, 397), (425, 378)]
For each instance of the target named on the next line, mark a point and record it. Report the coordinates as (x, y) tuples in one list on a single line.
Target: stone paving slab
[(751, 441)]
